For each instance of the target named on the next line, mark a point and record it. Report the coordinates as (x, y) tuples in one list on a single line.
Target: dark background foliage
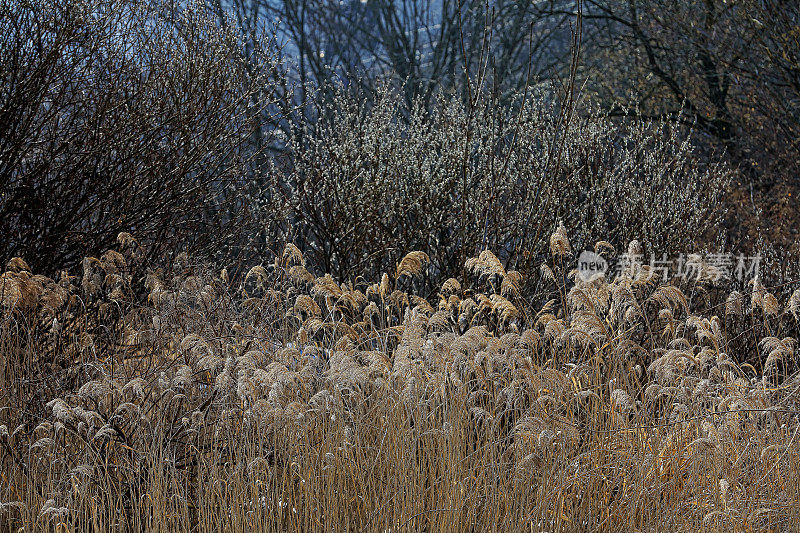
[(361, 130)]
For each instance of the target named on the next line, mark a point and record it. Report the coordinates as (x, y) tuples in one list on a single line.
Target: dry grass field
[(180, 401), (426, 354)]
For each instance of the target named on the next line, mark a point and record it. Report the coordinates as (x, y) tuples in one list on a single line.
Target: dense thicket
[(121, 115), (460, 179), (448, 129), (731, 67)]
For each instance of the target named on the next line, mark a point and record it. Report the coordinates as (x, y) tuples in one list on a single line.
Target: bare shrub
[(121, 115)]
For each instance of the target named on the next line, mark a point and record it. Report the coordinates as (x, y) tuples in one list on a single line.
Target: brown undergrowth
[(141, 399)]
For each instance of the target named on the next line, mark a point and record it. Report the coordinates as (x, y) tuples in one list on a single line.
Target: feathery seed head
[(412, 264), (794, 304), (17, 264), (292, 255), (559, 242), (734, 304)]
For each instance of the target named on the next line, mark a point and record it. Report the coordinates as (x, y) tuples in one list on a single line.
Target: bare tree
[(731, 68), (121, 115), (424, 45)]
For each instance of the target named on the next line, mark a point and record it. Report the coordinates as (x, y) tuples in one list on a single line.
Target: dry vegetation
[(135, 398), (156, 392)]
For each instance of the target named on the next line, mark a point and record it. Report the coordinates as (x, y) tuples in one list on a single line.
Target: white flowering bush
[(372, 182)]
